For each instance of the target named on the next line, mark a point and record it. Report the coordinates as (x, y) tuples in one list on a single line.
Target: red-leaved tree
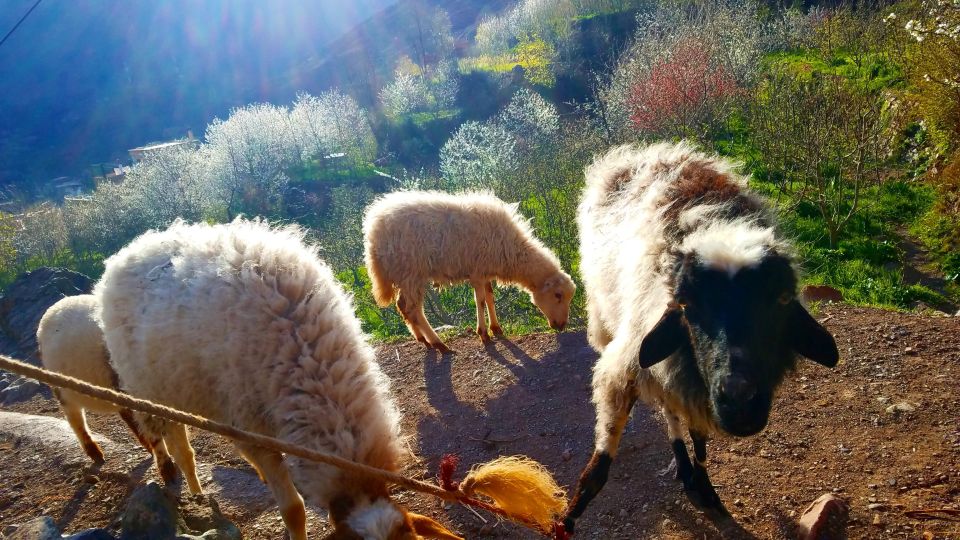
[(683, 94)]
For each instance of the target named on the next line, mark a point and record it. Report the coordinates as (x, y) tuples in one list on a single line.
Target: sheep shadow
[(129, 481), (543, 410)]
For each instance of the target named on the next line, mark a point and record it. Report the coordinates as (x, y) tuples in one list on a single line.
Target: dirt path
[(829, 432)]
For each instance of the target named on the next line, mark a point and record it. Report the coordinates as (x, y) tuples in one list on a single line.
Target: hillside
[(120, 75), (830, 432)]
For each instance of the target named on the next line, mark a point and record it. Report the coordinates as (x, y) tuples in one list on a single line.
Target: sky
[(80, 79)]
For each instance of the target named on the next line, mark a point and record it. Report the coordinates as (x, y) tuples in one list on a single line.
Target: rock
[(202, 516), (92, 534), (42, 528), (151, 514), (876, 506), (26, 300), (901, 407), (20, 390), (825, 519), (52, 437), (567, 454), (821, 293)]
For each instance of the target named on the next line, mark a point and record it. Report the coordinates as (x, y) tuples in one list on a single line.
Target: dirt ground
[(830, 432)]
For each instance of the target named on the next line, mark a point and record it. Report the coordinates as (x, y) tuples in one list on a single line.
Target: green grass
[(421, 119), (875, 71), (315, 170), (492, 64)]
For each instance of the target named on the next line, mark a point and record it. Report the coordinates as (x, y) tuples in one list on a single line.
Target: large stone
[(825, 519), (151, 514), (41, 528), (821, 293), (200, 517), (50, 436), (21, 389), (25, 301)]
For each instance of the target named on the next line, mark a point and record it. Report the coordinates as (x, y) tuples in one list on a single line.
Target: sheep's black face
[(744, 328)]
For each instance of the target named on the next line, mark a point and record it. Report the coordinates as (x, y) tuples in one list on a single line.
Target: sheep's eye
[(785, 298), (559, 297)]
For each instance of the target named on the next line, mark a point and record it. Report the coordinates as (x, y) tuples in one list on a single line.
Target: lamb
[(71, 343), (691, 297), (242, 323), (413, 238)]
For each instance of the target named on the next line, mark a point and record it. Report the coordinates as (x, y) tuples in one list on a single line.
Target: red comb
[(560, 532)]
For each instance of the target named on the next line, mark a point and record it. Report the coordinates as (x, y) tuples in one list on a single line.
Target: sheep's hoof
[(484, 335), (442, 348), (701, 493), (497, 331), (93, 450)]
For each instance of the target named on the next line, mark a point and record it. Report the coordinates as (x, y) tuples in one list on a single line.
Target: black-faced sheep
[(691, 296), (413, 238), (244, 324), (71, 343)]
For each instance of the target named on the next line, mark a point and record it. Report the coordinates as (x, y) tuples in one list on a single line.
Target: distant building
[(137, 154), (66, 186)]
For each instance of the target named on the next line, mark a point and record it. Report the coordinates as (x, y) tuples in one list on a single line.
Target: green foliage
[(536, 56)]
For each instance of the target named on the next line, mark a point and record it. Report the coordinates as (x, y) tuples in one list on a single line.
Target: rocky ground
[(882, 430)]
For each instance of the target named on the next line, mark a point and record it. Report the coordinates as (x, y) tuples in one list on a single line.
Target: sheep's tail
[(522, 488), (383, 290)]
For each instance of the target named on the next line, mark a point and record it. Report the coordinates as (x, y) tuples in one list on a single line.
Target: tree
[(536, 57), (478, 155), (406, 94), (250, 152), (823, 138), (333, 123), (934, 59), (683, 94)]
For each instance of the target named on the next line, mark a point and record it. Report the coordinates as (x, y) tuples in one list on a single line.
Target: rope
[(270, 443)]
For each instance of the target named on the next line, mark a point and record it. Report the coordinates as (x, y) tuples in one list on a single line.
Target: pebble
[(900, 407), (876, 520), (876, 506), (567, 454)]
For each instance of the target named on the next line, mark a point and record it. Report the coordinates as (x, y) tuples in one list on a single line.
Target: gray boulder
[(41, 528)]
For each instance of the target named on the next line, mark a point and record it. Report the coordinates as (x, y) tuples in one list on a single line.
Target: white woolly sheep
[(71, 343), (691, 296), (244, 324), (413, 238)]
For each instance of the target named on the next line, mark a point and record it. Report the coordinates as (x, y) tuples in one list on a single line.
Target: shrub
[(683, 94)]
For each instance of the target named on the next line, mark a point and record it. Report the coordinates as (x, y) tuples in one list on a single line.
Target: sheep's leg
[(413, 309), (127, 416), (407, 308), (616, 411), (480, 298), (278, 480), (403, 306), (494, 323), (179, 443), (597, 335), (78, 423), (168, 471), (252, 464), (696, 481)]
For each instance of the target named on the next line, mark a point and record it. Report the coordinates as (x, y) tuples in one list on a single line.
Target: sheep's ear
[(666, 337), (549, 284), (429, 528), (810, 339)]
